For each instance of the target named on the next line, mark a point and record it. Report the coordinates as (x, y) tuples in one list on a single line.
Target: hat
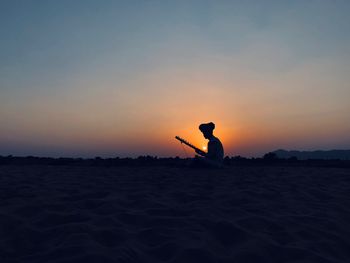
[(207, 127)]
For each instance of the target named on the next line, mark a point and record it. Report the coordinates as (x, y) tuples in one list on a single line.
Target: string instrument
[(199, 151)]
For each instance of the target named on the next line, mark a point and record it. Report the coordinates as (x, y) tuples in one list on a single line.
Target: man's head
[(207, 129)]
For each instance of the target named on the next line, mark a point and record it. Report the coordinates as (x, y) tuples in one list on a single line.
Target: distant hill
[(304, 155)]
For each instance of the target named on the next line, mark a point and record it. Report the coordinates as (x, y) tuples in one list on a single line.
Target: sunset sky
[(122, 78)]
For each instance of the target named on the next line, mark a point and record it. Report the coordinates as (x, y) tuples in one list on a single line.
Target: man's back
[(215, 150)]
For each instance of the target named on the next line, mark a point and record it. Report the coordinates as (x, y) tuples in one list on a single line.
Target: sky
[(123, 78)]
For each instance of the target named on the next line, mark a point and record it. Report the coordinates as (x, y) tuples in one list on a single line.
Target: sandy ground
[(159, 214)]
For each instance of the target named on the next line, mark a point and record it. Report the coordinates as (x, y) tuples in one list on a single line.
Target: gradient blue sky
[(88, 78)]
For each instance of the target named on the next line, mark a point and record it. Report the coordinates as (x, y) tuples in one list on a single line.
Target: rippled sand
[(155, 214)]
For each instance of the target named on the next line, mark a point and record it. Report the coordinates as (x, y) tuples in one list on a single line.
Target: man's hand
[(200, 152)]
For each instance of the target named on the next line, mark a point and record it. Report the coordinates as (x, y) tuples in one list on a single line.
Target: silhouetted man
[(215, 154)]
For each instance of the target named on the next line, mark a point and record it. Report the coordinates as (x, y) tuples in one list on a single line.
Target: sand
[(162, 214)]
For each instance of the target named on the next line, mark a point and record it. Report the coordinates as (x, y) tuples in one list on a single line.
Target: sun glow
[(204, 148)]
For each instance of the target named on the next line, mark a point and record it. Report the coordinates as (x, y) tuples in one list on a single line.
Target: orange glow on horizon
[(249, 113)]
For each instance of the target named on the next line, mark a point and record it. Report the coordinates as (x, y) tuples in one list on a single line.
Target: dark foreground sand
[(155, 214)]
